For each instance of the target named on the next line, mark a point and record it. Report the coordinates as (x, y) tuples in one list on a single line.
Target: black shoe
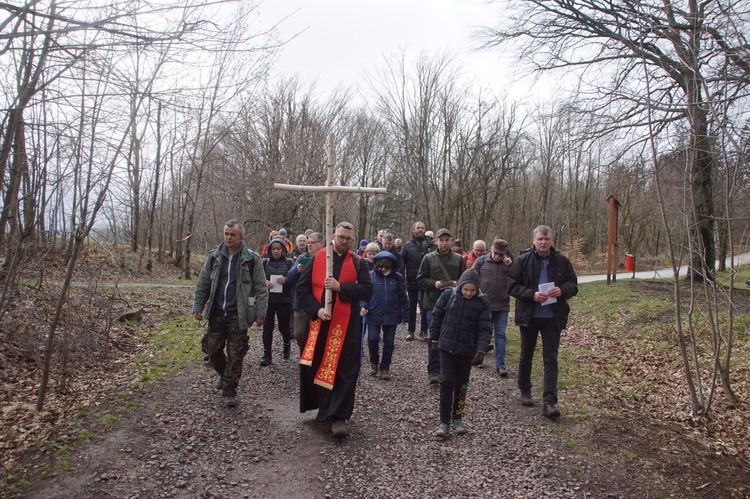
[(502, 372), (287, 350), (526, 398), (338, 429), (410, 336), (550, 410), (266, 360)]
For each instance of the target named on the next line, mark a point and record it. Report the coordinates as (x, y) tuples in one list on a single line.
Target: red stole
[(339, 321)]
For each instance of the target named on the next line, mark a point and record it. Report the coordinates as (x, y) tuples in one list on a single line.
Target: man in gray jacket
[(493, 277), (232, 288)]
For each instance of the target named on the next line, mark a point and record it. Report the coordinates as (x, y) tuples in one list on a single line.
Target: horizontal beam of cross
[(332, 188)]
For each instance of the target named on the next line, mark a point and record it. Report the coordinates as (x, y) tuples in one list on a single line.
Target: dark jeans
[(500, 324), (373, 343), (225, 331), (433, 359), (454, 381), (550, 346), (415, 297), (284, 313)]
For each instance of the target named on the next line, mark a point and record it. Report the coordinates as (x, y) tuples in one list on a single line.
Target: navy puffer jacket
[(461, 326), (389, 304)]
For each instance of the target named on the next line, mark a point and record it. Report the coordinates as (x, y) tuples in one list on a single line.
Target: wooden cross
[(329, 190)]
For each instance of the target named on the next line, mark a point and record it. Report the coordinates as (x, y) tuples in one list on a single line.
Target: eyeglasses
[(479, 250), (345, 239), (314, 242)]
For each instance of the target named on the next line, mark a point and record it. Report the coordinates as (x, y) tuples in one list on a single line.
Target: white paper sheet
[(544, 288), (277, 288)]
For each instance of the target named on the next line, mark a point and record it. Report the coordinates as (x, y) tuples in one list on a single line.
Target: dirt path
[(181, 442), (176, 439)]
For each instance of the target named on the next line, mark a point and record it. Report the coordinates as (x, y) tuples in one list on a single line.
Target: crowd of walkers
[(462, 299)]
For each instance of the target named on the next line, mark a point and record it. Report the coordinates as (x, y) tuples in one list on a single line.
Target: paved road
[(665, 273)]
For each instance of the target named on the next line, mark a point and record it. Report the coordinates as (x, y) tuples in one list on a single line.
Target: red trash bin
[(629, 262)]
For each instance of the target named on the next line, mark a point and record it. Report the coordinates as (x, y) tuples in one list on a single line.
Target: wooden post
[(614, 206), (329, 221), (329, 189)]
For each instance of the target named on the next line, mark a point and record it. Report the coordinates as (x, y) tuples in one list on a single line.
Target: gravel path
[(181, 442)]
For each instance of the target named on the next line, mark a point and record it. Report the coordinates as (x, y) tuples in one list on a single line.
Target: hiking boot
[(338, 429), (502, 372), (218, 384), (230, 401), (287, 351), (373, 369), (441, 431), (434, 378), (384, 375), (458, 426), (423, 335), (490, 347), (410, 336), (550, 410), (526, 398), (266, 360)]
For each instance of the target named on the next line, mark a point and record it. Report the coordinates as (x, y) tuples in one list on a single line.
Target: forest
[(148, 124)]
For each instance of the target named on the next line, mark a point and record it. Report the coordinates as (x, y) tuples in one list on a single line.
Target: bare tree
[(689, 50)]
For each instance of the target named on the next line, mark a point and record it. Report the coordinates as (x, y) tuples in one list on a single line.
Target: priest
[(330, 360)]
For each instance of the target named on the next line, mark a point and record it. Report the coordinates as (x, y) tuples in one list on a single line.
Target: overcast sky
[(339, 40)]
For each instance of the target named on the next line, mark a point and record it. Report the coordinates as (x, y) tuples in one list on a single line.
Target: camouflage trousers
[(225, 332)]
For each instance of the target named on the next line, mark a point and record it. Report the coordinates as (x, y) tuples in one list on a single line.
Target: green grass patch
[(624, 335), (171, 346), (84, 435), (108, 419)]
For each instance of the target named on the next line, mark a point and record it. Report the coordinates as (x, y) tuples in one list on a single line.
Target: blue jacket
[(389, 304), (292, 276), (461, 326)]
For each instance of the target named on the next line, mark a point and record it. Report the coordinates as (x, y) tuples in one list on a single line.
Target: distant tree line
[(150, 124)]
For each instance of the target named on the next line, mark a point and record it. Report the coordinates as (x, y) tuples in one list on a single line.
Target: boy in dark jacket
[(386, 309), (461, 329)]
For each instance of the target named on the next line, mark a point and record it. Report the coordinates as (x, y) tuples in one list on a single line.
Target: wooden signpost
[(614, 208), (329, 189)]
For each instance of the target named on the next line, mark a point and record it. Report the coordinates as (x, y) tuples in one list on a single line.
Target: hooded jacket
[(461, 326), (389, 304), (251, 283), (278, 266), (523, 282)]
